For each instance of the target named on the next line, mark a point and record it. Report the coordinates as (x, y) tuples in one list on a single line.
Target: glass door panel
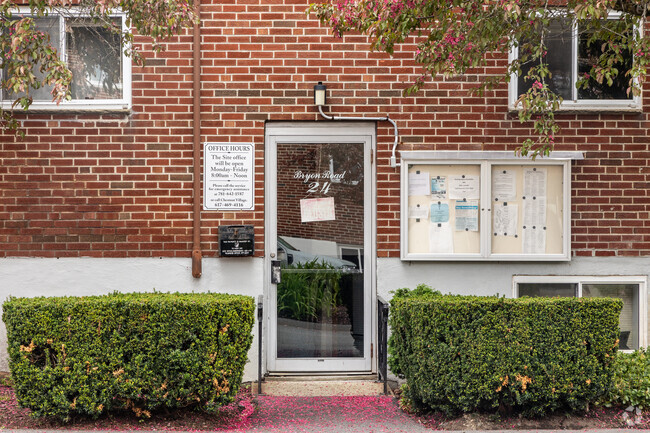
[(320, 206)]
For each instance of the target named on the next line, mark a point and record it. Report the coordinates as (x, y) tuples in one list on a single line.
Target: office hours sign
[(228, 176)]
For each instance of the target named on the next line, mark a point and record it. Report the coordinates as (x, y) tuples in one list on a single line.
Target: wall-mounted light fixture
[(320, 94), (320, 100)]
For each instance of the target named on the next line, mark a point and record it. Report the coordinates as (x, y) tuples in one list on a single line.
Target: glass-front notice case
[(443, 209), (485, 206)]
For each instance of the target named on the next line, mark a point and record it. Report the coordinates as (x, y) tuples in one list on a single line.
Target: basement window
[(630, 289)]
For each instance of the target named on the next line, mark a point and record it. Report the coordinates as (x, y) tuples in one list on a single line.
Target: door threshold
[(319, 376), (323, 386)]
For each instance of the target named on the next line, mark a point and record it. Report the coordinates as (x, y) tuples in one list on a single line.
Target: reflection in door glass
[(320, 197)]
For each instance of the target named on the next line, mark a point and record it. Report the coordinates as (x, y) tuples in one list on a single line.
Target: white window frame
[(575, 104), (580, 280), (357, 248), (485, 160), (123, 104)]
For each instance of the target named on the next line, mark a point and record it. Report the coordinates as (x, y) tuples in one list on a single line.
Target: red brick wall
[(114, 185)]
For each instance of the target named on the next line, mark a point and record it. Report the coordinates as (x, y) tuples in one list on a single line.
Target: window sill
[(593, 107), (72, 107)]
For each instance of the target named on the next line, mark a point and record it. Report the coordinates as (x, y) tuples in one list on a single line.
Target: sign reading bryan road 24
[(228, 176)]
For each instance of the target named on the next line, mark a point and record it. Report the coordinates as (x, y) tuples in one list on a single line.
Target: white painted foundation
[(491, 278), (87, 276), (31, 277)]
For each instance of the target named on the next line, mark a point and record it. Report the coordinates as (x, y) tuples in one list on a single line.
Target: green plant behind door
[(309, 292)]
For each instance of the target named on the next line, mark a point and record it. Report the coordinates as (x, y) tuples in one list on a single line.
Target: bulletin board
[(492, 209), (447, 197), (527, 207)]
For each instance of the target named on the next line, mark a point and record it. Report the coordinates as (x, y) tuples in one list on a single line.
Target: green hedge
[(140, 352), (631, 382), (535, 355)]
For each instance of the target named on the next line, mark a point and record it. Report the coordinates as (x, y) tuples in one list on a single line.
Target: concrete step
[(319, 387)]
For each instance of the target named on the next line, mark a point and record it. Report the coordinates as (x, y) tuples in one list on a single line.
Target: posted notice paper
[(418, 212), (534, 240), (504, 222), (504, 187), (534, 211), (440, 238), (464, 187), (439, 212), (535, 182), (466, 215), (419, 183), (439, 187), (317, 209)]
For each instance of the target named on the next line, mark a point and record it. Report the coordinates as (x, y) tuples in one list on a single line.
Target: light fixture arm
[(393, 159)]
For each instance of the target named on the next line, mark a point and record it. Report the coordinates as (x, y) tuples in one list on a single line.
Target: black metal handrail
[(382, 346)]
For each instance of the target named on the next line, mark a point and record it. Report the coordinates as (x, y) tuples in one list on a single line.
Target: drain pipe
[(393, 158), (196, 125)]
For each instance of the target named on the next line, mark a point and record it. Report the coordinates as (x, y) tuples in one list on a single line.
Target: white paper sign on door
[(317, 209)]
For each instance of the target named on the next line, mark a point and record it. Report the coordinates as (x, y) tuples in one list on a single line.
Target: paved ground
[(332, 414), (324, 407)]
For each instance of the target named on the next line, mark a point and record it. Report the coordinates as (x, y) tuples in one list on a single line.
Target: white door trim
[(321, 132)]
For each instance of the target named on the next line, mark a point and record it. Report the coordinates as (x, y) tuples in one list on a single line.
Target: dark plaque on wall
[(236, 241)]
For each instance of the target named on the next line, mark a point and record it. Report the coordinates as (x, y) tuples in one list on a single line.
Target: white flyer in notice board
[(534, 240), (418, 212), (505, 220), (419, 183), (440, 238), (535, 182), (464, 187), (504, 187), (466, 215)]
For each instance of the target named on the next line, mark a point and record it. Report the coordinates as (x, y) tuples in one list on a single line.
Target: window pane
[(548, 290), (588, 55), (445, 199), (527, 209), (629, 321), (353, 255), (51, 26), (558, 47), (94, 56)]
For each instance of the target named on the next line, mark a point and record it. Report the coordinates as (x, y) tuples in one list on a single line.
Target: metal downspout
[(196, 125)]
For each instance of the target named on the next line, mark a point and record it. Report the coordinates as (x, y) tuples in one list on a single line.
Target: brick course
[(120, 185)]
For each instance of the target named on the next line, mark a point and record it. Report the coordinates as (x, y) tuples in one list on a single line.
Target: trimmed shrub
[(631, 382), (534, 355), (140, 352)]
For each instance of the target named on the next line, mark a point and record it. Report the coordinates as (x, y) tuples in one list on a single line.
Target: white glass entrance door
[(319, 192)]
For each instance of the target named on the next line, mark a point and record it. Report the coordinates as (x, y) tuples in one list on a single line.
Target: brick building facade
[(116, 185)]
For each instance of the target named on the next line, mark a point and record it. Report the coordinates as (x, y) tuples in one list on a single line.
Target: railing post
[(382, 349), (260, 317)]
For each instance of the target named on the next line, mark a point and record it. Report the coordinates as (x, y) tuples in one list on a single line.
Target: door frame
[(321, 132)]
